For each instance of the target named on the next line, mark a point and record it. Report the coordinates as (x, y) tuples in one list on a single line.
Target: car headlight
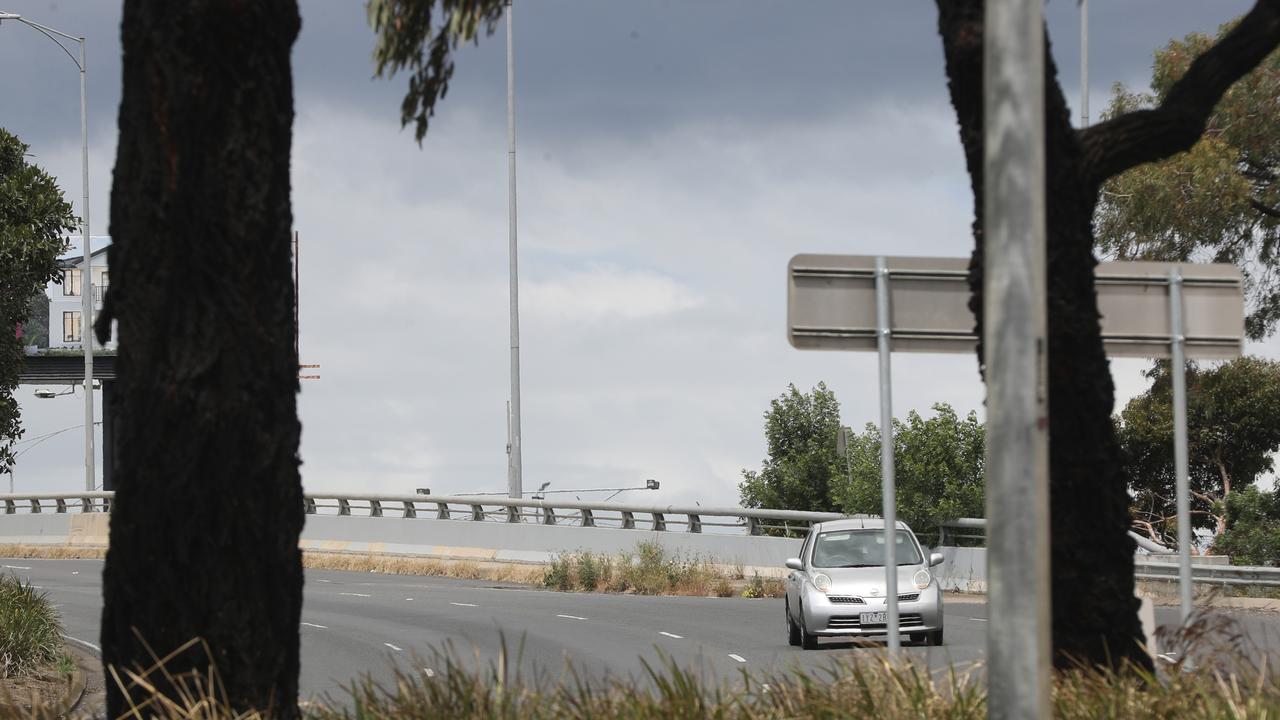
[(922, 579), (822, 582)]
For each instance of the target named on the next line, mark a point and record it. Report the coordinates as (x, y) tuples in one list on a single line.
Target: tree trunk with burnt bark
[(208, 505), (1095, 618)]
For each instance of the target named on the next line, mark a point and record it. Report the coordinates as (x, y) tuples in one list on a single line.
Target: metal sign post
[(1183, 485), (887, 487)]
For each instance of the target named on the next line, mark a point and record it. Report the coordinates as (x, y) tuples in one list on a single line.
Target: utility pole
[(514, 470), (1015, 343)]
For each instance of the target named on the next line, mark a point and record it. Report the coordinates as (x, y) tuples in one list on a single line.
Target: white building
[(66, 328)]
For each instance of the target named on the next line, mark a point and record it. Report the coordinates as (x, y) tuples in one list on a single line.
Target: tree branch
[(1145, 136), (1265, 209)]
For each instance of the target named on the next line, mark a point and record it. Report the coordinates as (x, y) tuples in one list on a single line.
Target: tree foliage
[(1219, 201), (1252, 535), (1233, 427), (420, 36), (938, 469), (800, 435), (34, 219)]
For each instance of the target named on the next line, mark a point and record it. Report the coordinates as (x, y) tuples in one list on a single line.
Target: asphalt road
[(356, 623)]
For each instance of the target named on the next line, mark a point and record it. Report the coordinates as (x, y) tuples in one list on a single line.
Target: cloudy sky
[(673, 156)]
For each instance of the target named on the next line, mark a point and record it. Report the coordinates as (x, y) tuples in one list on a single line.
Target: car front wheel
[(808, 640), (934, 638)]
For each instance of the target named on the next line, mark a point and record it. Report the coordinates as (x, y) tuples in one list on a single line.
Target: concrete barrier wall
[(528, 542), (963, 569)]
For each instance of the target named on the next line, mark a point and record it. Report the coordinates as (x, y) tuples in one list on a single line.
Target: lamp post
[(86, 282)]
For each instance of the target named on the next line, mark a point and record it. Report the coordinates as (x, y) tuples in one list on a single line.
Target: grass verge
[(1216, 678)]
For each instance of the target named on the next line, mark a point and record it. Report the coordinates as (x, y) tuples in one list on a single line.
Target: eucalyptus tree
[(1218, 201), (1233, 431), (204, 567), (34, 221)]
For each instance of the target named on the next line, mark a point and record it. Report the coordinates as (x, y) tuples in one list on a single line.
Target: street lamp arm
[(49, 33)]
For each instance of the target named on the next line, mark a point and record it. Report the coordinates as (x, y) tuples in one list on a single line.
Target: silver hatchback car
[(837, 585)]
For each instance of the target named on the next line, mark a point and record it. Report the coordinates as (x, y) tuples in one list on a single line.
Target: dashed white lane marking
[(75, 572), (17, 567), (393, 647), (407, 599), (463, 604), (428, 672), (324, 581), (671, 635), (739, 658), (979, 619), (571, 617), (85, 643), (355, 594), (322, 627)]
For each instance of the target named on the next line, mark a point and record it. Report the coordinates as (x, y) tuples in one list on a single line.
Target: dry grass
[(403, 565), (53, 552)]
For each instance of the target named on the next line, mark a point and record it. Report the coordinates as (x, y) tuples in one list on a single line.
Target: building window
[(71, 326), (71, 283)]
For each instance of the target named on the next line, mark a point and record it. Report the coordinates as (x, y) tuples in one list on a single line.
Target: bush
[(30, 632), (559, 574), (589, 570), (1252, 536)]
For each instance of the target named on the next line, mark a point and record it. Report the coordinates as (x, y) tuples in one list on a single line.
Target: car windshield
[(861, 548)]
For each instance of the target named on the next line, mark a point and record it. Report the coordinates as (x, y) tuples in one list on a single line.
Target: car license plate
[(874, 618)]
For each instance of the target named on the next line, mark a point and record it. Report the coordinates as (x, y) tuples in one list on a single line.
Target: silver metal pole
[(1018, 646), (1179, 379), (888, 488), (86, 286), (514, 469), (1084, 63)]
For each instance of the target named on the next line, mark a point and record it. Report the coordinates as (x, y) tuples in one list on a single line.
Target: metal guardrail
[(694, 519), (1205, 574), (1210, 574)]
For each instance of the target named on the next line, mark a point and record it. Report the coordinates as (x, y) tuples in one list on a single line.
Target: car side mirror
[(936, 559), (794, 564)]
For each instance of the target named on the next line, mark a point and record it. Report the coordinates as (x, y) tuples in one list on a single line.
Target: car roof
[(856, 523)]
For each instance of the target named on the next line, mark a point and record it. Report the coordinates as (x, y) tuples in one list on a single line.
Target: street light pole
[(514, 469), (86, 280)]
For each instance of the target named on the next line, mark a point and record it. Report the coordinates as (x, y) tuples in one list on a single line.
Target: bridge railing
[(1144, 569), (677, 518)]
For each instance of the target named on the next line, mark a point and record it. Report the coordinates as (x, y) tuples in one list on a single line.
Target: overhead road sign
[(831, 305)]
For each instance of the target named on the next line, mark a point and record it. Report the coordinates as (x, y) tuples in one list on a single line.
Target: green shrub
[(1252, 536), (559, 574), (30, 632), (589, 570)]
